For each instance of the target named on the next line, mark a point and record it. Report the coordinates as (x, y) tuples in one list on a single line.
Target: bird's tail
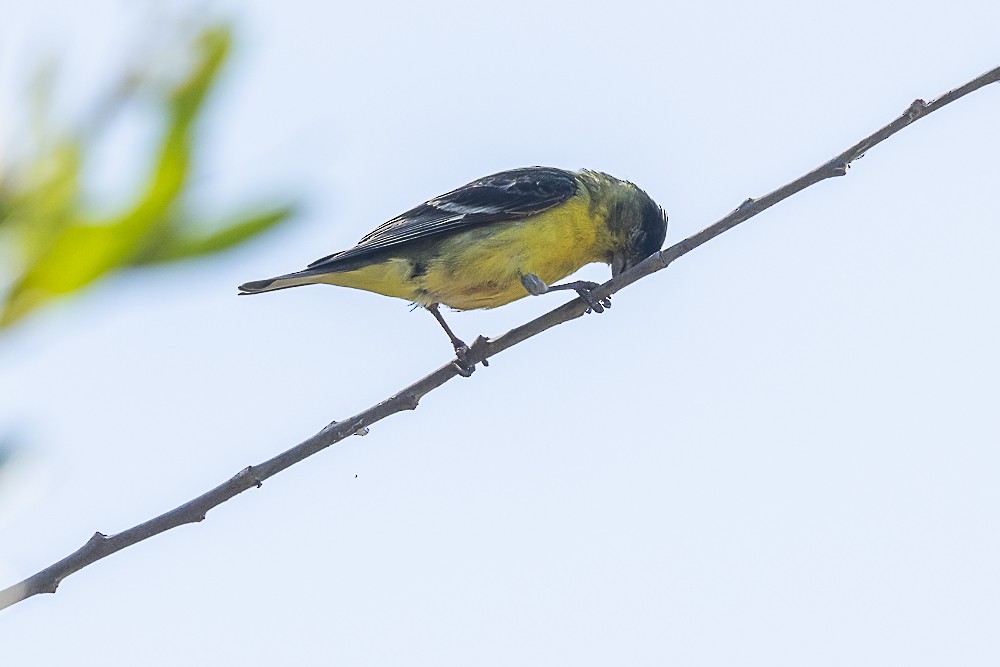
[(306, 277)]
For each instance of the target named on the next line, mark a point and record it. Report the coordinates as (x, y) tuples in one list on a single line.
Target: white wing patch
[(453, 207)]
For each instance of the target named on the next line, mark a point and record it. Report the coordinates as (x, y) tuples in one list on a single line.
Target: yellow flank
[(482, 267), (390, 278)]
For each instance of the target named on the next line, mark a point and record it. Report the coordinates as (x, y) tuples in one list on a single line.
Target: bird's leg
[(536, 286), (461, 349)]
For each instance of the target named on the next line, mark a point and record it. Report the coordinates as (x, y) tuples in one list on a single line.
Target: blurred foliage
[(6, 451), (52, 246)]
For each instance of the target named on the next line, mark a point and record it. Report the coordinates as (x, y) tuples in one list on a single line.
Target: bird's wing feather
[(506, 196)]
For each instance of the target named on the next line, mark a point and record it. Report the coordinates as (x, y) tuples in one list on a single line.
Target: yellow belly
[(482, 267)]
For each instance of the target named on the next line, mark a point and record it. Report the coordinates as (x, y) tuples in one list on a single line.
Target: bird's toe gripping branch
[(462, 363), (584, 288)]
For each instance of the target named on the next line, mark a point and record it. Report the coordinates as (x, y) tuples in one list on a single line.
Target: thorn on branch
[(96, 544), (362, 430), (408, 400), (96, 540), (657, 260), (193, 517), (248, 471), (478, 344), (916, 109)]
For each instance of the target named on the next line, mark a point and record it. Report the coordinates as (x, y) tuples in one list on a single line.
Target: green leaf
[(189, 244), (63, 249)]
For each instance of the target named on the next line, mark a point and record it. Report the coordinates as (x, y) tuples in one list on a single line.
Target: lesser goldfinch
[(496, 240)]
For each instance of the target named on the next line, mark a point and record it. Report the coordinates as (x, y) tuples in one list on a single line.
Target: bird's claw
[(596, 305), (604, 304), (462, 364)]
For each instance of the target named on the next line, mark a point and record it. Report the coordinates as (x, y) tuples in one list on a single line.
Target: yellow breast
[(482, 268)]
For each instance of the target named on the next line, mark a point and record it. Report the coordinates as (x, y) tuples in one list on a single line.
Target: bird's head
[(637, 226), (642, 227)]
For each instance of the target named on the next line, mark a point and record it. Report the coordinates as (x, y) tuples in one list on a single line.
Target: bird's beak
[(617, 265)]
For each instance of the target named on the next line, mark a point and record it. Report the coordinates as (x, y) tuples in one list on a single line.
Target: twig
[(100, 545)]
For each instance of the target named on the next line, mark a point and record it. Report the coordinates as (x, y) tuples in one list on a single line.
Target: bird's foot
[(462, 364), (596, 305), (584, 288)]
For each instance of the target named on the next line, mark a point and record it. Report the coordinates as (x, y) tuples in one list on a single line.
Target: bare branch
[(100, 545)]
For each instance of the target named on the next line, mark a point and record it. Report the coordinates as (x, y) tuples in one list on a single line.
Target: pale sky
[(783, 450)]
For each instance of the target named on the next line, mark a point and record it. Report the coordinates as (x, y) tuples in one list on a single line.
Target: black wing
[(509, 195)]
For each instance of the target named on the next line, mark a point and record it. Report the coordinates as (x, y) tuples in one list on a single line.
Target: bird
[(495, 240)]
